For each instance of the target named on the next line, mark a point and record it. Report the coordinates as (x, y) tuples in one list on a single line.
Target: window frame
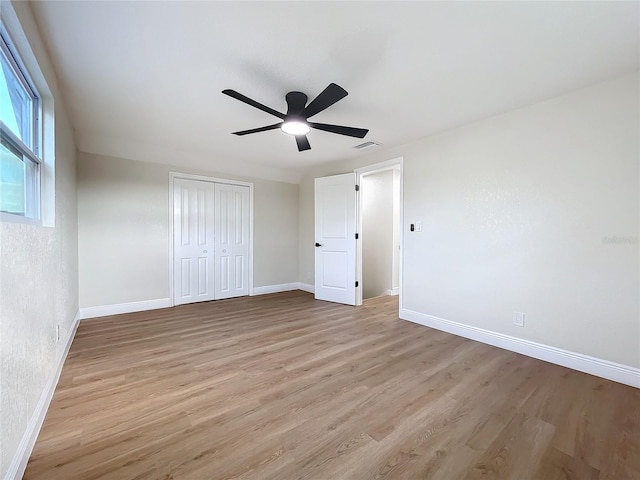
[(31, 157)]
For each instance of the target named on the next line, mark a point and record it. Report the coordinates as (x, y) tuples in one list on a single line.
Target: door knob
[(318, 245)]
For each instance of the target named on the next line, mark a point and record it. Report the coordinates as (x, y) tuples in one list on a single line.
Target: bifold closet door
[(231, 214), (193, 241)]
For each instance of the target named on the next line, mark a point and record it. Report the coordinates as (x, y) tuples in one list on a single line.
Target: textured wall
[(535, 210), (123, 218), (516, 210), (38, 282)]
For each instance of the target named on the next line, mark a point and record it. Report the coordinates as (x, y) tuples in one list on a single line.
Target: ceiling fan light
[(295, 127)]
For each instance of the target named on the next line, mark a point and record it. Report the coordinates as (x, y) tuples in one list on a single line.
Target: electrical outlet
[(57, 333), (518, 319)]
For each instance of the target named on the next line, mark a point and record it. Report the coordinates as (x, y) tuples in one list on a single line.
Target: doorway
[(379, 256), (211, 239), (339, 238), (380, 233)]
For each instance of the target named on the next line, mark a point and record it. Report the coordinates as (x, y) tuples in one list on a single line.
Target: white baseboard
[(104, 310), (21, 458), (577, 361), (283, 287), (306, 287), (393, 291), (118, 308)]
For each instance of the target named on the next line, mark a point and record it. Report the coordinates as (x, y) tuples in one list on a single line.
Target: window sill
[(11, 218)]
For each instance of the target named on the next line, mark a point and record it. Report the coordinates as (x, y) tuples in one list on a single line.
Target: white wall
[(377, 233), (38, 280), (516, 212), (123, 221)]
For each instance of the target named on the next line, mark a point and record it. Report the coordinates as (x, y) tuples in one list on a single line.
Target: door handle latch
[(318, 245)]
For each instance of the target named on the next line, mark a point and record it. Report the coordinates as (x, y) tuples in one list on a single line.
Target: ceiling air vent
[(364, 145)]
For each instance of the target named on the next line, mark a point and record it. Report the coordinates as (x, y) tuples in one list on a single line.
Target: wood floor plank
[(282, 386)]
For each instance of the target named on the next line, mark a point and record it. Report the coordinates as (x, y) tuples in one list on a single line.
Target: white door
[(193, 241), (335, 227), (232, 240)]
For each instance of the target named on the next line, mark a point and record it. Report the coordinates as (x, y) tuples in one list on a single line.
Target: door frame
[(362, 172), (205, 178)]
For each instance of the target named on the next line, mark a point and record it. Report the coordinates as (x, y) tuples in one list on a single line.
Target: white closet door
[(232, 240), (193, 241)]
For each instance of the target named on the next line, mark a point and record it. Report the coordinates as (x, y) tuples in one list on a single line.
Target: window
[(19, 134)]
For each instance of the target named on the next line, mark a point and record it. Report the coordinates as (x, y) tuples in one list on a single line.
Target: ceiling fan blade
[(253, 103), (340, 130), (325, 99), (303, 143), (261, 129), (295, 102)]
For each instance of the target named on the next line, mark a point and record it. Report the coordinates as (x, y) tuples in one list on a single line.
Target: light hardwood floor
[(282, 387)]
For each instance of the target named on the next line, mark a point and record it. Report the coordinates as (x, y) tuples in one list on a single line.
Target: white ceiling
[(143, 80)]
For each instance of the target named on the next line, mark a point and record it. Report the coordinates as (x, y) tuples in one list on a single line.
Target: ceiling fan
[(295, 121)]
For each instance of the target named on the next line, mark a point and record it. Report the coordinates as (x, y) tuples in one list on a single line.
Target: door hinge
[(356, 283), (357, 188), (357, 236)]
